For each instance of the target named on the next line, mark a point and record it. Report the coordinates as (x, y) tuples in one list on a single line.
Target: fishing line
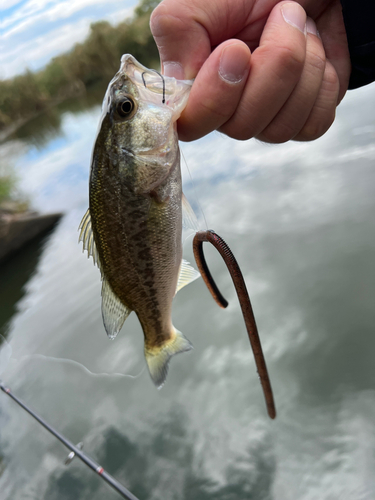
[(79, 365), (6, 356), (196, 199)]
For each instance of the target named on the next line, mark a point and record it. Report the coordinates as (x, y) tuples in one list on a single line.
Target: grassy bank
[(88, 64)]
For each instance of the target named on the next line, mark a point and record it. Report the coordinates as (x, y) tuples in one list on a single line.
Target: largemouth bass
[(133, 227)]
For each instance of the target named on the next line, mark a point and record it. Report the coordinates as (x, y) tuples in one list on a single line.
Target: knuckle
[(317, 62), (156, 19), (189, 135), (331, 80), (235, 132), (165, 19), (290, 60), (276, 134), (324, 110), (216, 109), (161, 22), (315, 128)]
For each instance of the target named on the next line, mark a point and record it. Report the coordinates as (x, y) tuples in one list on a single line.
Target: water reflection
[(163, 466), (39, 130), (299, 218), (15, 273), (48, 125)]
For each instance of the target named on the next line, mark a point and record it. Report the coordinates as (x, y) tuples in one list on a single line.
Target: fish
[(133, 226)]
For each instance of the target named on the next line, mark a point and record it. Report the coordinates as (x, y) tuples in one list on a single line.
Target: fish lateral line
[(247, 311)]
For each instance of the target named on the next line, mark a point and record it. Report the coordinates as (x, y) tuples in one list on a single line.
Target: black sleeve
[(359, 19)]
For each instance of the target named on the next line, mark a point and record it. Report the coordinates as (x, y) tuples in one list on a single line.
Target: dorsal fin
[(187, 275), (113, 311), (86, 235)]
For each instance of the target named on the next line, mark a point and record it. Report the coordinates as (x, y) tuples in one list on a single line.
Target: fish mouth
[(159, 88)]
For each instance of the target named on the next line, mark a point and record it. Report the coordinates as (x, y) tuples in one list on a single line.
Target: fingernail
[(294, 15), (311, 26), (174, 69), (234, 63)]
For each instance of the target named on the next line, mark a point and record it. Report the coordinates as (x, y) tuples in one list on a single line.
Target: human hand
[(260, 69)]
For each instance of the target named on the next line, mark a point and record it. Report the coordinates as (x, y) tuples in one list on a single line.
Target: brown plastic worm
[(243, 298)]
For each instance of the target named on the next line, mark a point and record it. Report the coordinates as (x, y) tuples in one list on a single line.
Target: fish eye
[(126, 107)]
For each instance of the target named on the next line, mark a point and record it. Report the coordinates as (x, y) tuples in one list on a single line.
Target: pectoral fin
[(113, 311), (150, 173), (86, 235)]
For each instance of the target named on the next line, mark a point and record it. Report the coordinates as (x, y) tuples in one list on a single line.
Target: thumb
[(182, 41)]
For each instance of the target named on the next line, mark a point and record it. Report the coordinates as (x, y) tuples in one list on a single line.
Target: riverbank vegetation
[(11, 199), (6, 187), (88, 65)]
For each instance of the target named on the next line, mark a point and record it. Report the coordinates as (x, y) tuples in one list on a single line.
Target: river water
[(300, 220)]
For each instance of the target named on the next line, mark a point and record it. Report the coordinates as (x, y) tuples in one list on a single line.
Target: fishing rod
[(75, 449)]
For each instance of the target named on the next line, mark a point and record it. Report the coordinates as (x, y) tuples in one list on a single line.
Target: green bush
[(87, 64), (7, 184)]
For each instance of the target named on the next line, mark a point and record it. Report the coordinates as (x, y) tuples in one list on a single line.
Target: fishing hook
[(244, 299), (161, 76)]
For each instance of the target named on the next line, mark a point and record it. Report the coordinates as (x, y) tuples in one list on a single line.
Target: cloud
[(36, 11), (7, 4), (45, 47), (41, 29)]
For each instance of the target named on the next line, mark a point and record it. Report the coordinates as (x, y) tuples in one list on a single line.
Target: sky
[(34, 31)]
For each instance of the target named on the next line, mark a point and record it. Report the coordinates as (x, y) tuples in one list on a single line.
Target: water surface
[(300, 220)]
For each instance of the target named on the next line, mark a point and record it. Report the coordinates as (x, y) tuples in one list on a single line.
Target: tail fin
[(158, 359)]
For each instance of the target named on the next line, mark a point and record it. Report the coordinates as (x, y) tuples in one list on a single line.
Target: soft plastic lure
[(244, 299)]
